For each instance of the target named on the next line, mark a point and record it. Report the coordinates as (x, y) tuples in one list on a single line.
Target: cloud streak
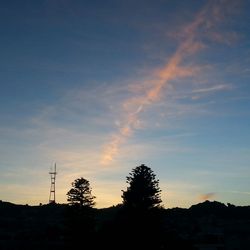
[(219, 87), (174, 69)]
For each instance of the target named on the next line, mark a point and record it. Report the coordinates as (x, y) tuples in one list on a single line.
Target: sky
[(100, 87)]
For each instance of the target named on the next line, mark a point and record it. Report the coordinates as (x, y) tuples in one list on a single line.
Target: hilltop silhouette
[(139, 222), (208, 224)]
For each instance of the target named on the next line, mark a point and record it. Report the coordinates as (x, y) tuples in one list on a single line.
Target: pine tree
[(80, 193), (143, 191)]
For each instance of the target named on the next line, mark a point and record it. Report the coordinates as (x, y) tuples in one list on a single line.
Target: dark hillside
[(212, 225)]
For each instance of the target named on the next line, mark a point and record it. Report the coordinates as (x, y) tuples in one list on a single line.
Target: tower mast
[(52, 195)]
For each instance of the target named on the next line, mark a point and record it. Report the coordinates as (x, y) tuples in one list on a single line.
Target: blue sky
[(101, 87)]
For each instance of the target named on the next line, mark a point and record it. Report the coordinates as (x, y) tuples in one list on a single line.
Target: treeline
[(140, 222)]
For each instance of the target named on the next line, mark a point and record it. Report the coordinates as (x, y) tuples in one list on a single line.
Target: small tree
[(144, 191), (80, 193), (79, 217)]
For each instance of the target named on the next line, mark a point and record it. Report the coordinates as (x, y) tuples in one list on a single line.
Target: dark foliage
[(140, 217), (143, 192), (64, 227), (80, 193), (79, 224), (31, 227), (139, 223)]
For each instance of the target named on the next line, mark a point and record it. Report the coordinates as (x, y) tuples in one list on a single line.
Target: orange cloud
[(173, 69), (208, 196)]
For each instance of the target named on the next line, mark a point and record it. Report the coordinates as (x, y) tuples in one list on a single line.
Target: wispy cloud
[(174, 69), (219, 87)]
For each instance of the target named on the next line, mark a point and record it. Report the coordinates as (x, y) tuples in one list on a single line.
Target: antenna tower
[(52, 195)]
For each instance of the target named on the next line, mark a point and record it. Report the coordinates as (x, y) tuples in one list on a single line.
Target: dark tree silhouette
[(80, 215), (141, 213), (80, 193), (143, 191)]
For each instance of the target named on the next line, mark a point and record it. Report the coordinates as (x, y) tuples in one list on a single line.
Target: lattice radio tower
[(52, 195)]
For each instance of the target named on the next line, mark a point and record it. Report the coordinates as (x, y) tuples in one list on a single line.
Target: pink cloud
[(150, 91)]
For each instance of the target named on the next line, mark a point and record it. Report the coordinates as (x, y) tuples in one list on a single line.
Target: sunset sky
[(100, 87)]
